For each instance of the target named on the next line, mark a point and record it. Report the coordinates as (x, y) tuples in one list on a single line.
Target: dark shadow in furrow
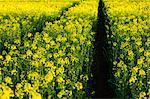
[(102, 66)]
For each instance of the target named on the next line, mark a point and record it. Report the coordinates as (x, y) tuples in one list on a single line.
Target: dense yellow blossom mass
[(44, 47)]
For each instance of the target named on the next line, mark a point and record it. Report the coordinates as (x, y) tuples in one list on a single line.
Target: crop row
[(53, 62), (129, 40)]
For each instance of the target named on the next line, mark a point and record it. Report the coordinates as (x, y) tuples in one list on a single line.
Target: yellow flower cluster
[(8, 80), (84, 8), (142, 95), (79, 85)]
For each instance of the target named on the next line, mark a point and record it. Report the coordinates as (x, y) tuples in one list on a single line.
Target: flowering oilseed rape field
[(47, 50)]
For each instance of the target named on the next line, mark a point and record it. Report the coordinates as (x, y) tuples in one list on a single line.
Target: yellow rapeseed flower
[(14, 71), (146, 53), (29, 34), (120, 64), (29, 52), (47, 46), (42, 60), (79, 86), (49, 77), (55, 55), (13, 47), (8, 80), (27, 87), (135, 69), (68, 81), (70, 93), (60, 79), (74, 59), (35, 63), (1, 57), (141, 49), (60, 70), (49, 64), (8, 58), (35, 56), (67, 60), (62, 62), (49, 55), (45, 35), (142, 95), (34, 75), (115, 62), (132, 79), (140, 61), (18, 86), (64, 39), (142, 72), (139, 43), (36, 95), (114, 44), (130, 53), (59, 95), (34, 46)]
